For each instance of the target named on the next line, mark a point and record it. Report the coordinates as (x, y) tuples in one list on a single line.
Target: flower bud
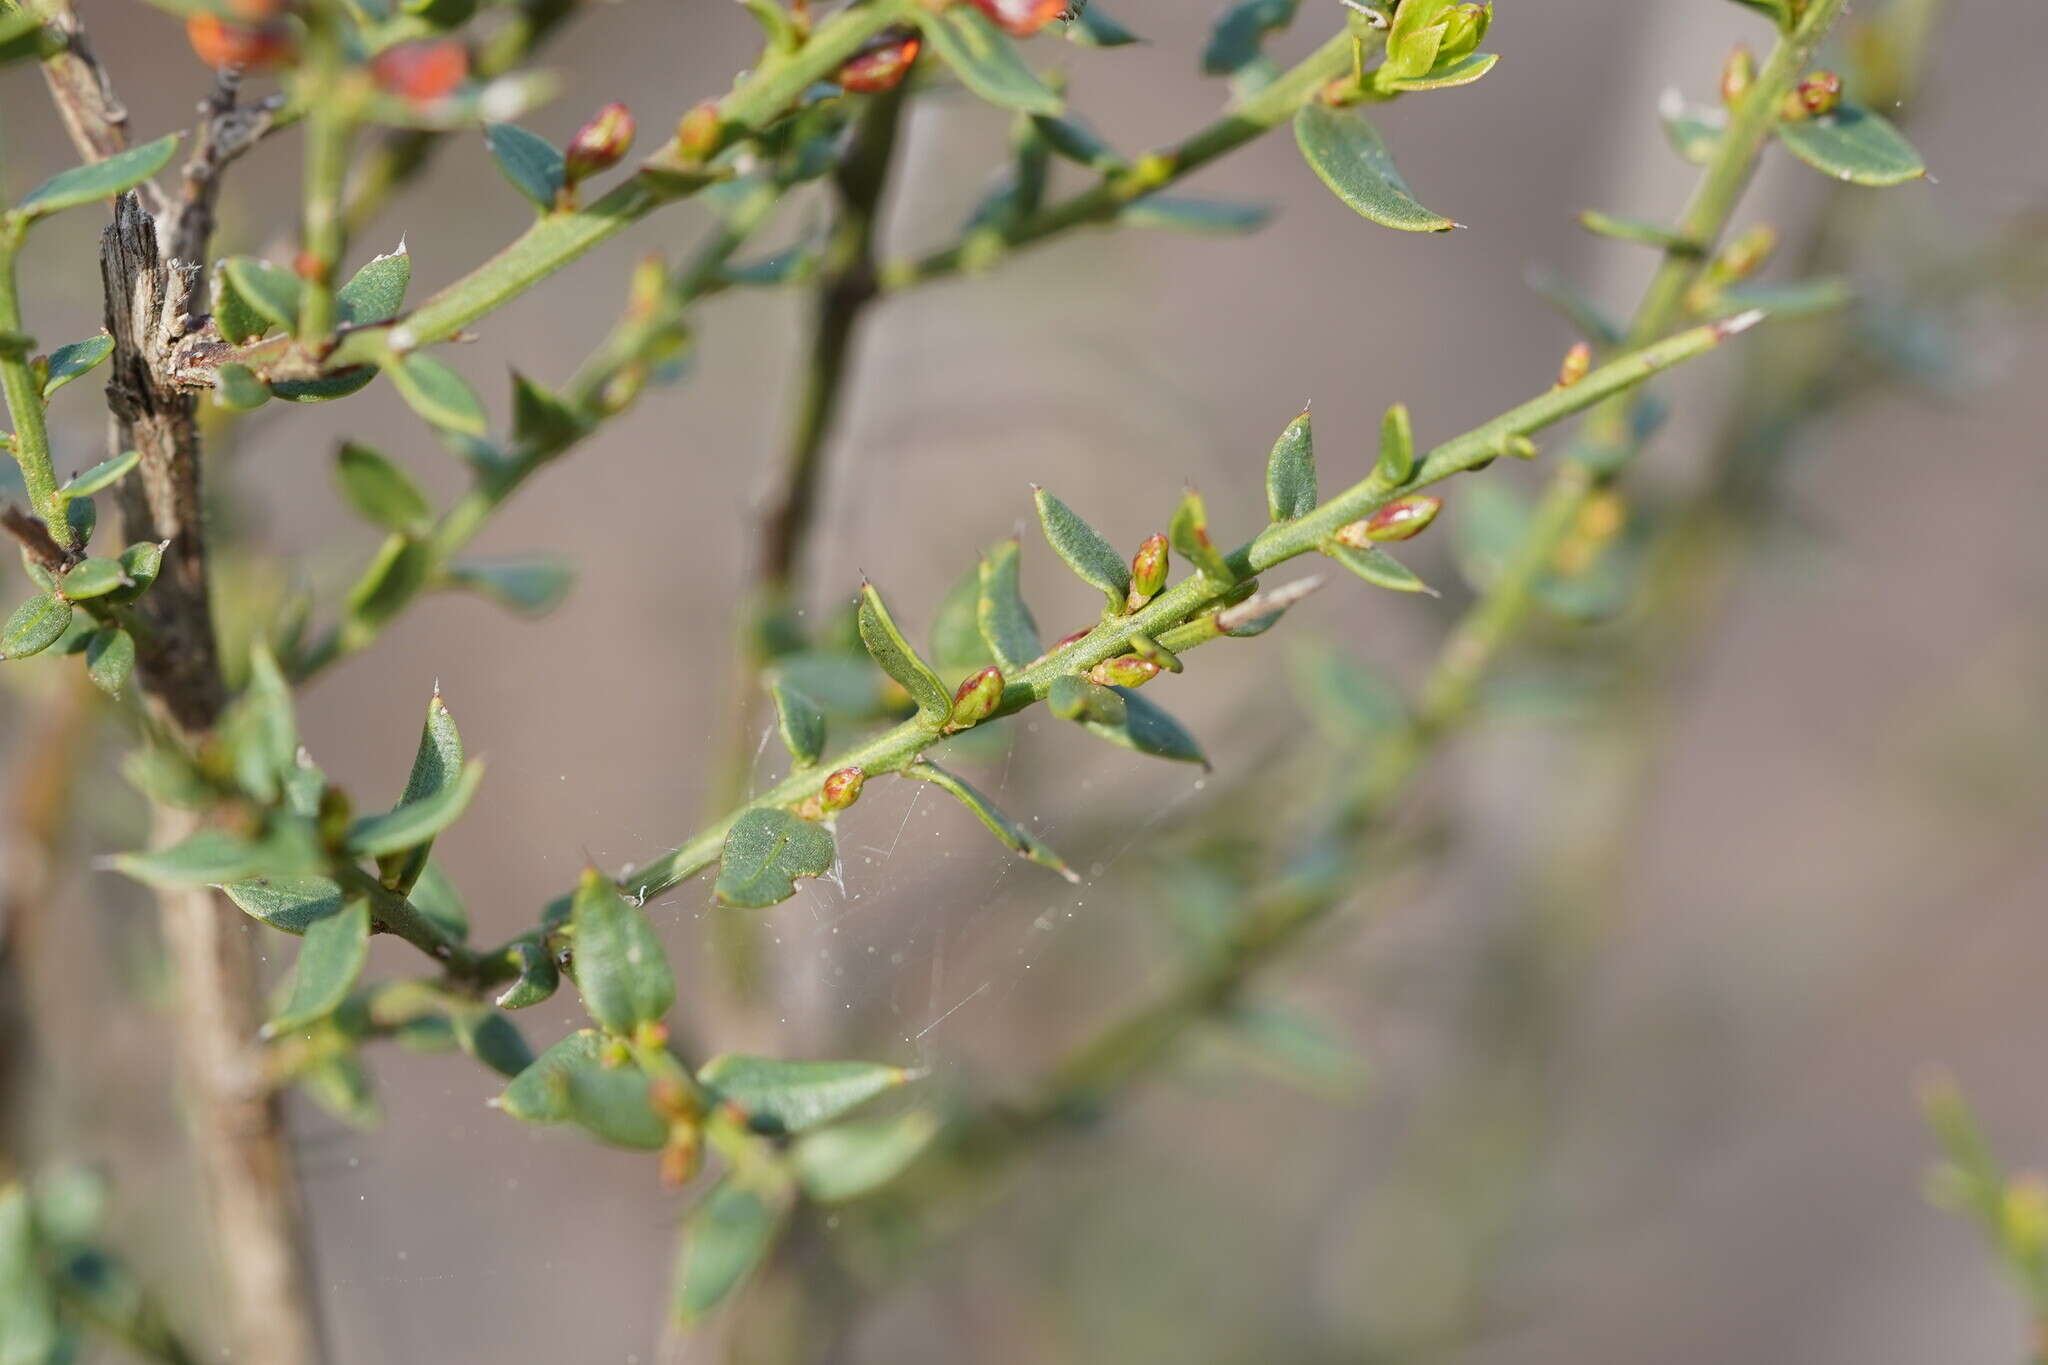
[(421, 72), (882, 64), (1578, 363), (1464, 29), (1401, 519), (1820, 93), (1126, 671), (599, 144), (1148, 571), (697, 132), (221, 44), (1746, 255), (681, 1156), (841, 790), (1738, 73), (1021, 18), (976, 699)]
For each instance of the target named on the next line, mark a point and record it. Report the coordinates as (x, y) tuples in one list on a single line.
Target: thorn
[(1738, 324)]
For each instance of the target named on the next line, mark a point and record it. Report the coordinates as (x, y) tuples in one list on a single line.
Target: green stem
[(330, 127), (1268, 108), (31, 444)]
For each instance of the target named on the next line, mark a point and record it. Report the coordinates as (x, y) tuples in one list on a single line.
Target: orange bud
[(1578, 363), (1403, 518), (882, 64), (599, 144), (221, 44), (308, 266), (1127, 671), (697, 131), (976, 699), (1737, 75), (1022, 18), (841, 789), (1820, 93), (421, 72)]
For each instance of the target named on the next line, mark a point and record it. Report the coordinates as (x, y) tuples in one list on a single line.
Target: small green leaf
[(395, 575), (780, 1096), (1091, 557), (1093, 28), (324, 388), (141, 562), (1291, 472), (776, 25), (531, 585), (214, 856), (236, 388), (259, 729), (292, 904), (99, 179), (28, 1303), (1853, 144), (1396, 463), (22, 36), (1621, 229), (1241, 31), (529, 161), (1780, 12), (1149, 730), (82, 515), (381, 492), (438, 394), (541, 420), (90, 578), (1378, 568), (957, 648), (414, 824), (1346, 153), (110, 659), (1464, 71), (1014, 836), (101, 476), (1073, 697), (1185, 213), (69, 362), (34, 626), (1189, 532), (330, 960), (1005, 621), (1298, 1051), (272, 292), (341, 1086), (985, 60), (571, 1083), (436, 767), (853, 1159), (239, 319), (887, 646), (1573, 305), (725, 1238), (1694, 130), (765, 852), (1352, 705), (376, 292), (492, 1039), (801, 722), (621, 969), (435, 897), (537, 979), (1069, 137)]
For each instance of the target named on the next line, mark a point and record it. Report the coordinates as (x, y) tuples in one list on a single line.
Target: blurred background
[(1627, 1037)]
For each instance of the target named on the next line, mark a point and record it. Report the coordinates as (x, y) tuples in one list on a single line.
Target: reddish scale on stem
[(976, 699), (1403, 518), (882, 64), (1022, 18), (841, 789), (221, 44), (421, 72)]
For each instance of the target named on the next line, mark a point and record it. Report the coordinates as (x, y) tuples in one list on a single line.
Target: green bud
[(1126, 671), (1148, 571), (1738, 73), (841, 790), (1464, 29), (977, 698), (1149, 649)]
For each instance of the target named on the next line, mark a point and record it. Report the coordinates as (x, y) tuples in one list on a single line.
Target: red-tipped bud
[(1022, 18), (1127, 671), (679, 1159), (882, 64), (421, 72), (1148, 571), (697, 132), (1746, 255), (1820, 93), (221, 44), (1578, 363), (599, 144), (977, 698), (841, 790), (1738, 73), (1403, 518)]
